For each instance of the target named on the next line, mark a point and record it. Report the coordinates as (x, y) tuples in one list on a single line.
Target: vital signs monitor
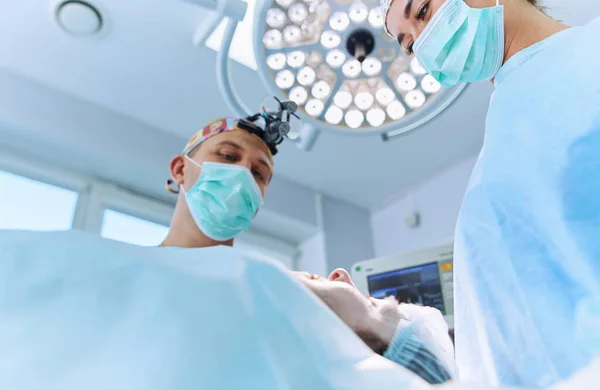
[(423, 277)]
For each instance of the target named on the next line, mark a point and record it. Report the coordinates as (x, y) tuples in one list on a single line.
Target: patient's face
[(341, 295), (362, 314)]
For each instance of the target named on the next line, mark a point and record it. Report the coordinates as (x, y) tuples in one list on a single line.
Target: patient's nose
[(341, 275)]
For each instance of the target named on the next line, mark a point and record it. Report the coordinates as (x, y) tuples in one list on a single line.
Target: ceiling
[(144, 66)]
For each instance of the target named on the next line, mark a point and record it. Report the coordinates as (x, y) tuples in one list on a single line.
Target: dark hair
[(536, 4), (373, 341)]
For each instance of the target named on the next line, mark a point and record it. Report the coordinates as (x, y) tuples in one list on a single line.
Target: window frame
[(101, 197), (95, 196)]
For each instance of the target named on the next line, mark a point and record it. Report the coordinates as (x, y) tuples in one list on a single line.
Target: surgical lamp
[(334, 60)]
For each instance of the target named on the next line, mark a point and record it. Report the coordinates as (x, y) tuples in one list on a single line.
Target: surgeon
[(527, 247), (412, 336), (220, 179)]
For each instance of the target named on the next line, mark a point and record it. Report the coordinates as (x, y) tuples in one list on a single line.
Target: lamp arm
[(224, 75)]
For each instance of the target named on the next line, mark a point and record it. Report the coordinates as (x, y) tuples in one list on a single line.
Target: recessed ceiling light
[(79, 18)]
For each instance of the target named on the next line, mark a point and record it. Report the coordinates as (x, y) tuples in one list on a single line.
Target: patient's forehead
[(303, 275)]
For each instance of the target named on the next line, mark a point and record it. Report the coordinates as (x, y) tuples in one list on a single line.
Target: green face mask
[(224, 200), (462, 44)]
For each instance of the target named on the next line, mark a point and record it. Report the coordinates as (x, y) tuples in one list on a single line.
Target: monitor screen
[(420, 285)]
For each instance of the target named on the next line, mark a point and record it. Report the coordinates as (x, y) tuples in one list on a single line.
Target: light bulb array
[(308, 56)]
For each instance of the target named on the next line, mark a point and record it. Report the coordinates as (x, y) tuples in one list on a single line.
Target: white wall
[(437, 201), (312, 255), (347, 232)]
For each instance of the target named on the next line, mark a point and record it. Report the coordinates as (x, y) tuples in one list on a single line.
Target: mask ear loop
[(497, 3)]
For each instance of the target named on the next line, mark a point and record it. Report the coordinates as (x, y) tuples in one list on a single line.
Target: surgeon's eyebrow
[(408, 8), (232, 144)]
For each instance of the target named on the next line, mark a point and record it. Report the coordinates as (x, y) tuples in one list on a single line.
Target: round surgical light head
[(334, 59)]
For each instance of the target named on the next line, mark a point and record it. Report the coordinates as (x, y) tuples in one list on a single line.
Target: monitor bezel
[(437, 254)]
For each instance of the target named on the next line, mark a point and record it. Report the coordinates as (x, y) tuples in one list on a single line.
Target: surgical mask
[(224, 200), (462, 44)]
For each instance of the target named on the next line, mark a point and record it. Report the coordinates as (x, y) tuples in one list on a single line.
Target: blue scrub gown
[(527, 258)]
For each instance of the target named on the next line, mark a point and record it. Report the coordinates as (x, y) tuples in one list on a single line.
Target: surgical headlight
[(272, 126)]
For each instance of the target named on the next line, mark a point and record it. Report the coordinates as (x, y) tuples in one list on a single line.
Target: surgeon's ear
[(177, 165)]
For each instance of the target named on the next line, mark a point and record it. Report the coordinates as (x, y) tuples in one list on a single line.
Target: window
[(257, 245), (73, 201), (262, 253), (242, 46), (133, 230), (27, 204)]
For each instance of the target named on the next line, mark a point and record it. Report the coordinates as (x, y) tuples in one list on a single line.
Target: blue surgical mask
[(224, 200), (462, 44)]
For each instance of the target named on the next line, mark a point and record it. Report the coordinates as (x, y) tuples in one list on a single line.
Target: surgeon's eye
[(409, 49), (228, 157), (422, 11), (258, 176)]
